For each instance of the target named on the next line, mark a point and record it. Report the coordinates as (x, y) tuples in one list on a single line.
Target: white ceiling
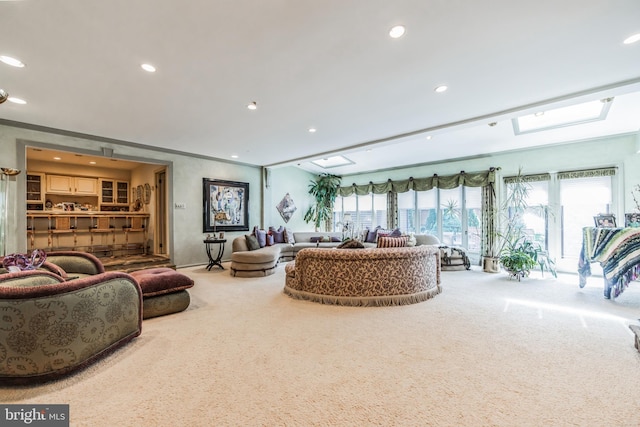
[(328, 64)]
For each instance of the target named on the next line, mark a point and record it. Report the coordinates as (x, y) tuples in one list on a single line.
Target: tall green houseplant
[(518, 253), (324, 191)]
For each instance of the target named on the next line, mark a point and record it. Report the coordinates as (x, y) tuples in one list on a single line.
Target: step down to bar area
[(131, 263)]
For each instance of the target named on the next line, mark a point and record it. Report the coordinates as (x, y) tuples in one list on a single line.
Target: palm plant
[(324, 191)]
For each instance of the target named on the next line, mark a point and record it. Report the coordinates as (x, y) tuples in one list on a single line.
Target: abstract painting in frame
[(228, 201)]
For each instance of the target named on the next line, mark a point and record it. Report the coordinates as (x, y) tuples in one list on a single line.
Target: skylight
[(560, 117), (332, 162)]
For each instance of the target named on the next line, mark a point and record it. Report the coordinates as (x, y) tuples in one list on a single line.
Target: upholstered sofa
[(365, 277), (50, 326), (263, 261)]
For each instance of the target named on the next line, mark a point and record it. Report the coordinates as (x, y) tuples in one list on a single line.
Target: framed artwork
[(605, 220), (225, 205), (286, 207), (632, 220)]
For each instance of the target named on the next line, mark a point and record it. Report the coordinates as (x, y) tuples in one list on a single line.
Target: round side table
[(217, 260)]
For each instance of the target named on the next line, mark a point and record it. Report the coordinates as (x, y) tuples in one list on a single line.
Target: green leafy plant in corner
[(518, 253), (523, 255), (324, 191)]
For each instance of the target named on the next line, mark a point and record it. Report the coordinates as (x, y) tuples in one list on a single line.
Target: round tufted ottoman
[(163, 291)]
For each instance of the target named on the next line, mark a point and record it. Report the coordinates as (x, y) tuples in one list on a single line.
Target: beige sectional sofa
[(263, 261)]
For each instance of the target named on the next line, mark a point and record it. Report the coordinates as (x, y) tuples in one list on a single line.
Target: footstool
[(163, 291)]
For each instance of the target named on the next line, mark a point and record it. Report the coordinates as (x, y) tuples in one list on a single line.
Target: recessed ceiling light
[(312, 130), (632, 39), (539, 113), (57, 158), (397, 31), (149, 68), (11, 61), (234, 156), (428, 136), (92, 162), (441, 88), (253, 105), (16, 100)]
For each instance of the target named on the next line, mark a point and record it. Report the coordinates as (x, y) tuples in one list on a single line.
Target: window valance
[(475, 179), (527, 178), (589, 173)]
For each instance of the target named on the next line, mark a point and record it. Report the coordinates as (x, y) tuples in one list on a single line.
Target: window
[(366, 211), (535, 218), (581, 198), (427, 207)]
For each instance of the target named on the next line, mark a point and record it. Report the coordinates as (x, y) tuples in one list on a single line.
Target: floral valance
[(590, 173), (475, 179), (527, 178)]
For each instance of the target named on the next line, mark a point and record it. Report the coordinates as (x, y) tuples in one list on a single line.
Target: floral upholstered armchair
[(50, 326)]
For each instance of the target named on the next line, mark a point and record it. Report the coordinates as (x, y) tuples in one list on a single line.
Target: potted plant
[(324, 191), (518, 254), (520, 257)]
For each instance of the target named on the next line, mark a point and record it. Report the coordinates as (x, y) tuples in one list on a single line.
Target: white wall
[(296, 182)]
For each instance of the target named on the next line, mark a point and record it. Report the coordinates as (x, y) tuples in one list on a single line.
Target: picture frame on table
[(225, 205), (632, 220), (605, 220)]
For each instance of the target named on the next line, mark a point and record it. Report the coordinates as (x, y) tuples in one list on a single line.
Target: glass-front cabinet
[(35, 191), (114, 195)]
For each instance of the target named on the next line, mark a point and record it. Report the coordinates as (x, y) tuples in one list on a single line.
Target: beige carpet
[(487, 351)]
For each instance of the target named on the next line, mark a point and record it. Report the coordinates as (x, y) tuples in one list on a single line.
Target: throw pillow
[(288, 236), (252, 242), (372, 235), (315, 239), (261, 235), (392, 242), (269, 239), (393, 233), (351, 244), (278, 235), (335, 239)]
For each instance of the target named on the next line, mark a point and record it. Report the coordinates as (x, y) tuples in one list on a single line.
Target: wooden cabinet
[(86, 186), (81, 186), (35, 191), (114, 193)]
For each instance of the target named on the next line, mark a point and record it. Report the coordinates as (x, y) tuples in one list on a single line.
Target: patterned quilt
[(618, 252)]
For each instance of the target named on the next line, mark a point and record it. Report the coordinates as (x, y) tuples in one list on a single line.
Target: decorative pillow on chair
[(252, 242), (392, 242)]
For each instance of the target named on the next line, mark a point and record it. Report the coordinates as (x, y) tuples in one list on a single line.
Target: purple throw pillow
[(261, 235), (278, 235)]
